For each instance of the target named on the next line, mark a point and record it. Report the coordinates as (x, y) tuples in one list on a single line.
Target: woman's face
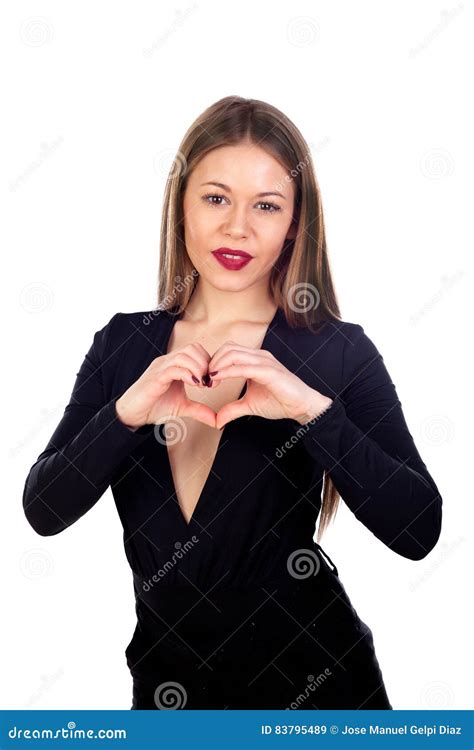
[(233, 215)]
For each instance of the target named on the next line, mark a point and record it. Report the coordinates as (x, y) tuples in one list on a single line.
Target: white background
[(96, 98)]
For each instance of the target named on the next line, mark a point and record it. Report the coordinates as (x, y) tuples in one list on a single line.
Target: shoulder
[(131, 327), (122, 322), (346, 335), (362, 363), (354, 341), (143, 318), (347, 346), (332, 335)]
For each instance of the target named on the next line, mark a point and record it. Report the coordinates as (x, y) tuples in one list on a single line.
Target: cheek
[(197, 226), (274, 236)]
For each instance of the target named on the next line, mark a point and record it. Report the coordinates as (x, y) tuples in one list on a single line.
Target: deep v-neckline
[(213, 476)]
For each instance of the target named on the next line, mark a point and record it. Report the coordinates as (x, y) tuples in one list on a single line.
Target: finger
[(200, 412), (200, 348), (190, 363), (197, 350), (231, 411), (227, 346), (262, 374), (235, 357), (175, 372), (190, 354)]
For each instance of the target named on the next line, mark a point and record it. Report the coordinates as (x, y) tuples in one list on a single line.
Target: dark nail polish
[(205, 379), (195, 379), (209, 384), (214, 373)]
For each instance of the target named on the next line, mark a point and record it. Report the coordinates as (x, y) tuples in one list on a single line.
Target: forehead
[(245, 168)]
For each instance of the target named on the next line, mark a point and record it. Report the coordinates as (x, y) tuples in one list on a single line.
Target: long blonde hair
[(302, 270)]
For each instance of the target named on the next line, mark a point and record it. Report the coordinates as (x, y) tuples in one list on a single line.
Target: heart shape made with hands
[(272, 391), (230, 411)]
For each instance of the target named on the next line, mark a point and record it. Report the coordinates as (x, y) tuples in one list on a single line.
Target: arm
[(85, 450), (363, 441)]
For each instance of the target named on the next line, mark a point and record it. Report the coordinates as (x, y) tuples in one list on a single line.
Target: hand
[(159, 392), (273, 392)]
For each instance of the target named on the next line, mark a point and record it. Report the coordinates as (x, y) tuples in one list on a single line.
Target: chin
[(228, 285)]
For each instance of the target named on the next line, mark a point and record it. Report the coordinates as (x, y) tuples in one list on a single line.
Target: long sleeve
[(85, 450), (363, 441)]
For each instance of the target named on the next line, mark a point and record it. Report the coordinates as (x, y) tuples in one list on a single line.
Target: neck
[(208, 305)]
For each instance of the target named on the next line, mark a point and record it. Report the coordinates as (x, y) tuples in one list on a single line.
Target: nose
[(237, 224)]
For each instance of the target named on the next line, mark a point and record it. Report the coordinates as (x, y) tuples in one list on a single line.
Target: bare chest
[(192, 458)]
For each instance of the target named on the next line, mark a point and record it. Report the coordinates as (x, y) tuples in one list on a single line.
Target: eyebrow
[(227, 188)]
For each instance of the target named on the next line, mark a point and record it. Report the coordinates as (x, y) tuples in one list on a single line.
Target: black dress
[(241, 608)]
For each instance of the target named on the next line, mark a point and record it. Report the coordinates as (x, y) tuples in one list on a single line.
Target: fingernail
[(209, 385), (214, 373), (205, 379), (195, 379)]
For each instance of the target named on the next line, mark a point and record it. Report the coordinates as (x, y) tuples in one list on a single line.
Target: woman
[(226, 421)]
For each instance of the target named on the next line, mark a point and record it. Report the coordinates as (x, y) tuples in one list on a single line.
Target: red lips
[(230, 250), (232, 264)]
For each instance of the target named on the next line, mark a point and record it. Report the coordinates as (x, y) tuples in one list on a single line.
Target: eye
[(273, 207)]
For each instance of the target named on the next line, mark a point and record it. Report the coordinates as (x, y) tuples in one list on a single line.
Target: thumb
[(200, 412), (231, 411)]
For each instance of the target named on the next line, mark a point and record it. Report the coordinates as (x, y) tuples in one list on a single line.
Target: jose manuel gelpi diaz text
[(404, 729)]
